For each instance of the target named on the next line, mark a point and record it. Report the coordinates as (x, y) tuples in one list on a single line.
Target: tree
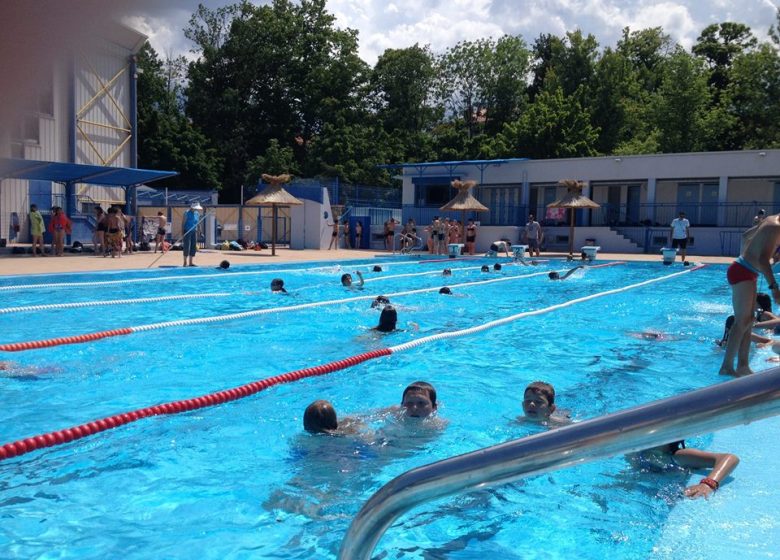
[(718, 45), (681, 104), (402, 84), (554, 126), (481, 84), (505, 83), (283, 71), (166, 138), (646, 51), (563, 63), (750, 101)]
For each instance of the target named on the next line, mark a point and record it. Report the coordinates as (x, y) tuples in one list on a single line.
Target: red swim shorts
[(737, 273)]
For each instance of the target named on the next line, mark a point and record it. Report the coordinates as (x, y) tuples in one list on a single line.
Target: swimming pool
[(240, 479)]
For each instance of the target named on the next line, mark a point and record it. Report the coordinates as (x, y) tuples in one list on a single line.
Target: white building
[(74, 142), (720, 192)]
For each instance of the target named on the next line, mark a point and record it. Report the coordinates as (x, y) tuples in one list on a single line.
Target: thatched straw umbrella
[(464, 200), (573, 200), (274, 196)]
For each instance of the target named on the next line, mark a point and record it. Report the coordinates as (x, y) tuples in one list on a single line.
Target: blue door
[(632, 205), (688, 201), (709, 205)]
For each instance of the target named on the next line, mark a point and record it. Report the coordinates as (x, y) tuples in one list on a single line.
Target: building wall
[(744, 189), (90, 90)]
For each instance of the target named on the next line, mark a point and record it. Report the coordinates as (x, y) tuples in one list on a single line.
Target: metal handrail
[(720, 406)]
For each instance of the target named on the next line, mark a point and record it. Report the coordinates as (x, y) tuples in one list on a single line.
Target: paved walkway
[(27, 264)]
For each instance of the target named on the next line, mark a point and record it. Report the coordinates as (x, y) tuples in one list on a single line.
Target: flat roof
[(476, 162), (59, 172)]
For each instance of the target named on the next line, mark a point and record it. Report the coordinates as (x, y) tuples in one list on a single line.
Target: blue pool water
[(241, 480)]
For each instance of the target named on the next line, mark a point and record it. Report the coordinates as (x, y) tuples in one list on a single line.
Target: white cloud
[(442, 23)]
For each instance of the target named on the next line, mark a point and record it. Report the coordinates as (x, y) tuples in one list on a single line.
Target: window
[(437, 195)]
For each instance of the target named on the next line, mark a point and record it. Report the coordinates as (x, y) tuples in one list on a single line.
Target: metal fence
[(622, 216), (350, 194)]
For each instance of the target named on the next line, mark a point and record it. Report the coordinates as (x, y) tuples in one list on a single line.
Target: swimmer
[(387, 319), (445, 291), (497, 266), (419, 400), (555, 276), (277, 286), (446, 272), (346, 280), (377, 268), (320, 418), (651, 335), (485, 268), (224, 265), (675, 456), (496, 247), (380, 301), (539, 404), (754, 337)]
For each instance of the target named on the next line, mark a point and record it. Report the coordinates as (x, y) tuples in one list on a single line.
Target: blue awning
[(78, 173)]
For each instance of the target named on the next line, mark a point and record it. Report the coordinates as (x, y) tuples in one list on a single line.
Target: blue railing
[(703, 214), (618, 216)]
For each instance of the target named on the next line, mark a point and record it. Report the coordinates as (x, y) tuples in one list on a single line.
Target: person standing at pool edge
[(533, 235), (758, 244), (190, 238), (680, 233), (36, 230)]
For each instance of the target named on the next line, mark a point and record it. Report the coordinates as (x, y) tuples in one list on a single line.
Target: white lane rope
[(49, 306), (257, 312), (210, 276), (551, 308)]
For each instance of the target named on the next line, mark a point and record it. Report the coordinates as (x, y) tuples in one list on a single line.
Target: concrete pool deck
[(11, 264)]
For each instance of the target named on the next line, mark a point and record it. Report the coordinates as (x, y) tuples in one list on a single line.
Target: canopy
[(78, 173), (573, 199), (274, 196)]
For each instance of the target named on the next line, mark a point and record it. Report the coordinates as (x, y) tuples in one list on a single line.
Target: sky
[(37, 32), (384, 24)]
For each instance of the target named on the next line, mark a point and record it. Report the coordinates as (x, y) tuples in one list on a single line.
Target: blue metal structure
[(78, 173)]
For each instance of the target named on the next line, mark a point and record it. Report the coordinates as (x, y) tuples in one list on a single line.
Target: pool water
[(242, 479)]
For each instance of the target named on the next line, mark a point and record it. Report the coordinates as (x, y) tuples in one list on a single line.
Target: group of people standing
[(112, 232), (59, 227), (346, 231)]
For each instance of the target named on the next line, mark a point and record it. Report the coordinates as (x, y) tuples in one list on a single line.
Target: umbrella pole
[(571, 233), (273, 230)]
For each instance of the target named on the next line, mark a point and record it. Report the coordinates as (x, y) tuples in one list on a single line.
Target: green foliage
[(718, 45), (681, 103), (280, 88), (555, 126), (167, 139), (276, 160)]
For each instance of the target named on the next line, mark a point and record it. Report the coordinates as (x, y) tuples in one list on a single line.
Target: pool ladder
[(720, 406)]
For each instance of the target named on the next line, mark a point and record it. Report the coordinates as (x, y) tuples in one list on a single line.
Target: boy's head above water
[(539, 400), (320, 418), (419, 400)]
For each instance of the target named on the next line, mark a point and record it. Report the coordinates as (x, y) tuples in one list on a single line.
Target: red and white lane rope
[(90, 337), (59, 437), (22, 446)]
